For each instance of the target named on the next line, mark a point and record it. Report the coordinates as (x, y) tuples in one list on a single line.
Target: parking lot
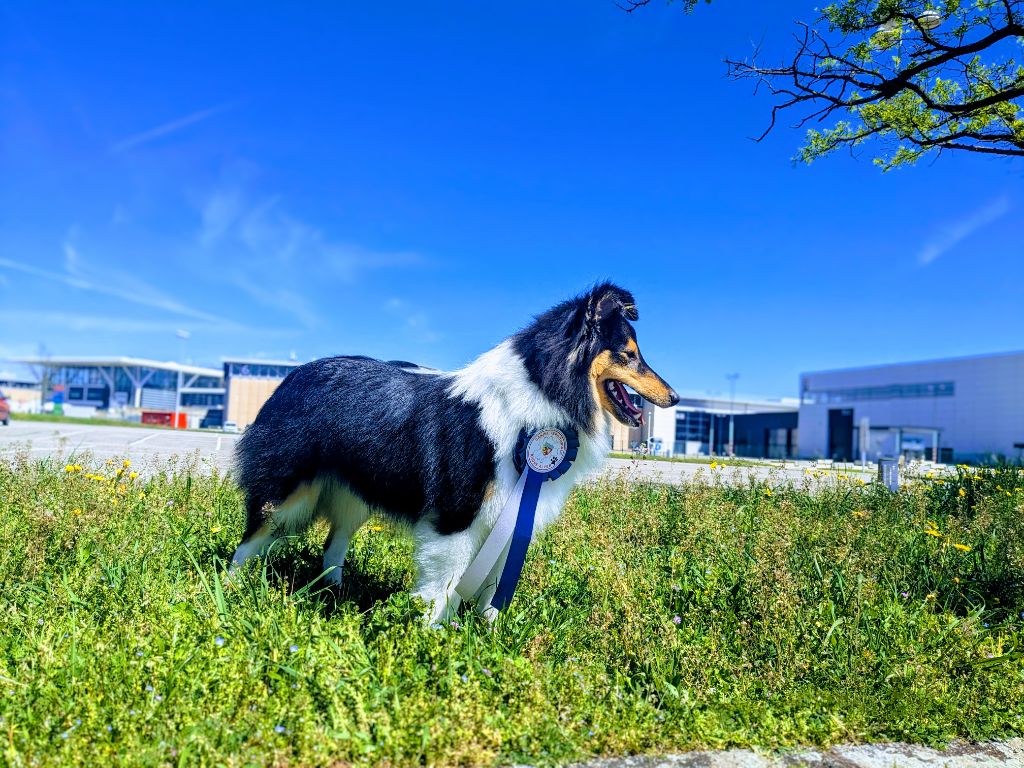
[(146, 447), (149, 448)]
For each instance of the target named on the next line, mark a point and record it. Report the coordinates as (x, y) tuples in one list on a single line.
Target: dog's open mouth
[(624, 411)]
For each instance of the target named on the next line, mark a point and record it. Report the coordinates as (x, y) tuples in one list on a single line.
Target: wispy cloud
[(118, 286), (280, 298), (276, 243), (112, 324), (414, 322), (951, 235), (166, 129)]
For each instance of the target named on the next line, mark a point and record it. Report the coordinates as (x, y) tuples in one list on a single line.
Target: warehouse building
[(960, 409), (21, 390), (249, 384)]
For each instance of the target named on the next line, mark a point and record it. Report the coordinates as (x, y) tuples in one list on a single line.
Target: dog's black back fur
[(394, 437)]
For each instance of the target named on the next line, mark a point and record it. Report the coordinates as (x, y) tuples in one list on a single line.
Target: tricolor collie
[(346, 436)]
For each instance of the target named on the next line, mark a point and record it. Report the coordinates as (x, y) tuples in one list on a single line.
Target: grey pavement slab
[(996, 754), (148, 448)]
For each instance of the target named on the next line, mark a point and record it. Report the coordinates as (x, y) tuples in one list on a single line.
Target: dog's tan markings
[(633, 373), (489, 491), (297, 508)]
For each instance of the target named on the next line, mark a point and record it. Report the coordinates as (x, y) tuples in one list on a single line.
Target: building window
[(882, 392)]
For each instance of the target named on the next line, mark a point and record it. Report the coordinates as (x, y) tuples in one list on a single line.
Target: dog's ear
[(606, 300)]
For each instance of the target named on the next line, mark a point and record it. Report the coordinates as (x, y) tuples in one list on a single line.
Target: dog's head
[(584, 353), (615, 361)]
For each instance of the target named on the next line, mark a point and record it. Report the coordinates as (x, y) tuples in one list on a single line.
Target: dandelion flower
[(962, 547), (215, 529)]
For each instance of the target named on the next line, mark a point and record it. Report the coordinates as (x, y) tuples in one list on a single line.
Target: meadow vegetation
[(651, 619)]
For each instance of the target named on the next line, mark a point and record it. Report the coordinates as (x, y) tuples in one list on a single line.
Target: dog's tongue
[(628, 401)]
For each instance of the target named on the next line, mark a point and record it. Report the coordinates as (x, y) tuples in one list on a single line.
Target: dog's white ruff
[(499, 384)]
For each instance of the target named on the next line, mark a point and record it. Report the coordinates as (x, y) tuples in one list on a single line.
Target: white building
[(968, 408), (700, 425)]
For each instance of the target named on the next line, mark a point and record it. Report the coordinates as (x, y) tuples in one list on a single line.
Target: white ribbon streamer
[(486, 566)]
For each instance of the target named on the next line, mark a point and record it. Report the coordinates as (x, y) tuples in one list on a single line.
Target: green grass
[(650, 619), (89, 420), (95, 421), (718, 461)]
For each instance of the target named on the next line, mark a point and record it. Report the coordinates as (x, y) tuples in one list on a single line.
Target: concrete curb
[(993, 754)]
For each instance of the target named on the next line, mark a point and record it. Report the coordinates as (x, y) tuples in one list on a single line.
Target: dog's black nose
[(673, 397)]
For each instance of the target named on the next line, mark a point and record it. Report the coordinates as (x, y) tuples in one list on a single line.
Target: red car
[(5, 410)]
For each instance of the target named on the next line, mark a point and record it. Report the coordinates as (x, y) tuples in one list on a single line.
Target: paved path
[(149, 447), (146, 447), (997, 754)]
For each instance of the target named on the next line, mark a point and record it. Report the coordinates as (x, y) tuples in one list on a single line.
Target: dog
[(343, 437)]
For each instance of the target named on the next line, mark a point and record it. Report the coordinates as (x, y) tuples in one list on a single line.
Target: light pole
[(184, 336), (732, 408)]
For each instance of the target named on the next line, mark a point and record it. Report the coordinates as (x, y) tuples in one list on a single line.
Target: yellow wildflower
[(76, 511), (962, 493), (69, 468), (930, 596), (215, 529), (962, 547), (933, 532), (133, 475), (767, 491), (126, 463)]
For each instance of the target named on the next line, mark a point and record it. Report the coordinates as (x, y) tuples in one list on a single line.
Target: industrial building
[(960, 409), (249, 383), (152, 391), (132, 388), (700, 425)]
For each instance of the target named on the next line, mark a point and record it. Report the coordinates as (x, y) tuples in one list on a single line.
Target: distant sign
[(889, 473)]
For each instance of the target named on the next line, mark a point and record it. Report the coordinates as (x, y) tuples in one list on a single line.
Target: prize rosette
[(549, 451), (543, 454)]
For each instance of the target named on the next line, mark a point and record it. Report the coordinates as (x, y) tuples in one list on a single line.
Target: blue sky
[(415, 181)]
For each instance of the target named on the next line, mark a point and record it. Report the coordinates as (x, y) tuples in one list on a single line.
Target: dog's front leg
[(441, 559)]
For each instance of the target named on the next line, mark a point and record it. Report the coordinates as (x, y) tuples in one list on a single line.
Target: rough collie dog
[(346, 436)]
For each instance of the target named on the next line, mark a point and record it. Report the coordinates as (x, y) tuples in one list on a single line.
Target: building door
[(840, 434)]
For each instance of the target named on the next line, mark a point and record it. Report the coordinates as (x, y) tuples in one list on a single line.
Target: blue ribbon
[(523, 531)]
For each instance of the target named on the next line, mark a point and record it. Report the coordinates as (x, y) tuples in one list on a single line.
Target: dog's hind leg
[(293, 515), (346, 513)]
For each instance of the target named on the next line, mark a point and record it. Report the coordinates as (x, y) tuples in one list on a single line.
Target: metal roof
[(260, 361), (121, 362)]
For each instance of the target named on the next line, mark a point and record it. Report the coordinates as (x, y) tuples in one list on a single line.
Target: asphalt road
[(149, 448)]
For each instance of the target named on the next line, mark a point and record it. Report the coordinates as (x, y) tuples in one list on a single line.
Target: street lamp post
[(732, 408), (183, 336)]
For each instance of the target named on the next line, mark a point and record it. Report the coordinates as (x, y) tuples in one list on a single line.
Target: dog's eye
[(629, 354)]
